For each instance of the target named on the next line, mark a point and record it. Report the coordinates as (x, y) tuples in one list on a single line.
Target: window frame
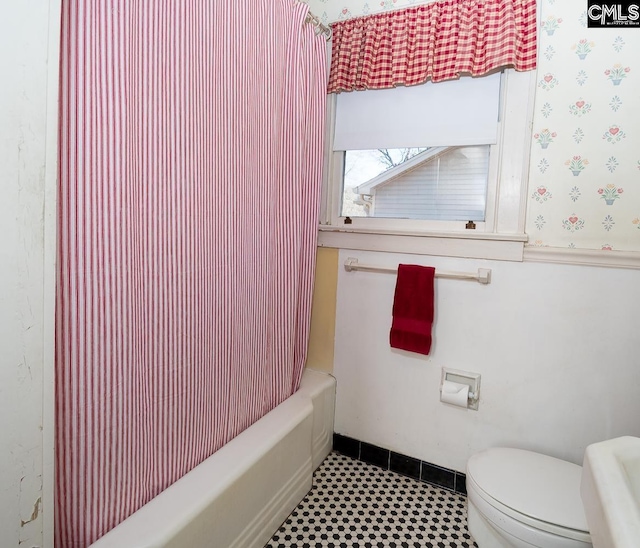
[(500, 236)]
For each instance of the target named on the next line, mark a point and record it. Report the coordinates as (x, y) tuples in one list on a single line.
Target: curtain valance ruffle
[(436, 41)]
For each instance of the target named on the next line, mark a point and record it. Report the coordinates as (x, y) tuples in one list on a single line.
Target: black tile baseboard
[(437, 475), (374, 455), (402, 464), (407, 466), (346, 446)]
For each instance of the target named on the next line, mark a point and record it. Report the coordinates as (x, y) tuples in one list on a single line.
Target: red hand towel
[(413, 309)]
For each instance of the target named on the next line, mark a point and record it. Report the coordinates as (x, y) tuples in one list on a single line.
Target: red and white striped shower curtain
[(190, 163)]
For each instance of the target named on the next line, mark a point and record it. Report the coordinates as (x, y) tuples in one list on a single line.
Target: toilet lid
[(541, 487)]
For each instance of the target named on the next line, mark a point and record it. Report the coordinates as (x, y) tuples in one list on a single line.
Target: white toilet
[(522, 499)]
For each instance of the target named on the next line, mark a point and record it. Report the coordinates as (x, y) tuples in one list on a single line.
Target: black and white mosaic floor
[(355, 504)]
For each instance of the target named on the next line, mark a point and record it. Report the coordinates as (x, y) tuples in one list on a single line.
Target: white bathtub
[(240, 495)]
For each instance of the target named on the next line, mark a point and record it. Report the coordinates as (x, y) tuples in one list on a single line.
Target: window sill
[(478, 245)]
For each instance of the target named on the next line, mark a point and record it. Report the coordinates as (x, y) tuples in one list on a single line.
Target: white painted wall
[(558, 348), (26, 274)]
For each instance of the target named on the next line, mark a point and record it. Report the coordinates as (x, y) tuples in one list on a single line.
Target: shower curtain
[(190, 158)]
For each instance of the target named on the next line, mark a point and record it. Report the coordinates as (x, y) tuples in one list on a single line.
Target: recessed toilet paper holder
[(463, 377)]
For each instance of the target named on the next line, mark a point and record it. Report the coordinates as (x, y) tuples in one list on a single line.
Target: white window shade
[(452, 113)]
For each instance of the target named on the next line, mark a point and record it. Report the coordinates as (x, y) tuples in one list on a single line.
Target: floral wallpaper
[(336, 10), (584, 179)]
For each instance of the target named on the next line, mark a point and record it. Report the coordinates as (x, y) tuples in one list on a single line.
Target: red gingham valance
[(436, 41)]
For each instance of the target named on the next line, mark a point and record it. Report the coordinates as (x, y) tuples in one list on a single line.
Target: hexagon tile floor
[(357, 505)]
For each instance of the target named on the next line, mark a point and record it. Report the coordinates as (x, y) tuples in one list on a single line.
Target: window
[(432, 183), (459, 155)]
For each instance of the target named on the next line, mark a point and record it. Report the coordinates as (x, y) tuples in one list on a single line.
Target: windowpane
[(436, 183)]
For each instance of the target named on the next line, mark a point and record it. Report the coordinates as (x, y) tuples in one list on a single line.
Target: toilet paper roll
[(455, 393)]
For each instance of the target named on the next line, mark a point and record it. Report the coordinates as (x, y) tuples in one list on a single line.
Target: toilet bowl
[(522, 499)]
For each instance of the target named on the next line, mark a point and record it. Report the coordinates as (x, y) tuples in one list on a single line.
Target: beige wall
[(323, 313)]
